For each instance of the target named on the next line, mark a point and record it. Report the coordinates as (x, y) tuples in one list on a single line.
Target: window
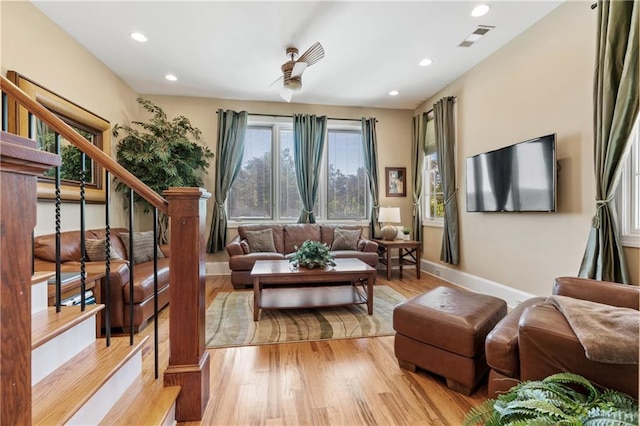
[(347, 188), (266, 186), (432, 195), (628, 198)]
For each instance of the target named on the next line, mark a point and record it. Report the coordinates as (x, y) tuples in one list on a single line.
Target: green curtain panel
[(615, 112), (370, 149), (418, 137), (445, 147), (308, 142), (232, 127)]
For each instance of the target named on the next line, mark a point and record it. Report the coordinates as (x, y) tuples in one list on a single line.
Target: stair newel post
[(20, 165), (188, 360)]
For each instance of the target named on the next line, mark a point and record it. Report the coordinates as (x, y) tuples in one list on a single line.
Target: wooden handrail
[(83, 145)]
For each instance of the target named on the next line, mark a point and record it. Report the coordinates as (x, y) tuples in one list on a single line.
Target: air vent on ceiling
[(476, 35)]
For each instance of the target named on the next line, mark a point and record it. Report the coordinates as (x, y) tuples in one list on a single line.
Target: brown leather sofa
[(286, 238), (45, 258), (535, 340)]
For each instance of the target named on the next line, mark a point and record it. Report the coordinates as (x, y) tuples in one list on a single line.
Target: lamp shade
[(389, 214)]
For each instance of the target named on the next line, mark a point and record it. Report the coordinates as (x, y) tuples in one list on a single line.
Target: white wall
[(539, 83), (34, 46)]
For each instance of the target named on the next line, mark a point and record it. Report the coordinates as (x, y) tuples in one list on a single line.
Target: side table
[(409, 252)]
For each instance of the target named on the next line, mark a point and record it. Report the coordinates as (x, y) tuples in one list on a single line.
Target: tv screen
[(516, 178)]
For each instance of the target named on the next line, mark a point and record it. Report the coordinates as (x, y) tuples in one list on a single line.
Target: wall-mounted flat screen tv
[(517, 178)]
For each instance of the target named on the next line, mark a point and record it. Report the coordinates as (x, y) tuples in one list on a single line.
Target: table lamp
[(389, 215)]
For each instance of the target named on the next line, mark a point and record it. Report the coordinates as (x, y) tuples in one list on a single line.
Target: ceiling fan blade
[(279, 79), (313, 54), (298, 69), (286, 94)]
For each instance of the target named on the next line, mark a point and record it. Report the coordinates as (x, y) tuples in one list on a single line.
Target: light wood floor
[(338, 382)]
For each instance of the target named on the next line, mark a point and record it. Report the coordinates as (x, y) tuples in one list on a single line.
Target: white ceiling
[(234, 49)]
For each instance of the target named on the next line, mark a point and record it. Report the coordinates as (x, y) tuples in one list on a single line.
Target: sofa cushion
[(245, 262), (260, 241), (501, 344), (346, 239), (327, 233), (95, 250), (278, 234), (296, 234), (143, 245)]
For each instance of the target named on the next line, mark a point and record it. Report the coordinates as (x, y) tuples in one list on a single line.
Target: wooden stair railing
[(186, 208)]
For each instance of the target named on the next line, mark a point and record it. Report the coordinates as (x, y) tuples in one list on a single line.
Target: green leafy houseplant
[(166, 155), (554, 401), (406, 230), (312, 254)]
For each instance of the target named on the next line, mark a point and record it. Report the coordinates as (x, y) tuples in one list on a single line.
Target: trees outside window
[(266, 186), (432, 187)]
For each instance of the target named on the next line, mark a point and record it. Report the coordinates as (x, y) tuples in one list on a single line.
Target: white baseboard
[(217, 268), (512, 296)]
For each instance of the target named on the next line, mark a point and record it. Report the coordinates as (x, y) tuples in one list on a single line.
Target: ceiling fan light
[(294, 84)]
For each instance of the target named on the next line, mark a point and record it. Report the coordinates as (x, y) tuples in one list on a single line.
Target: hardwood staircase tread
[(62, 393), (47, 324), (143, 405), (39, 277)]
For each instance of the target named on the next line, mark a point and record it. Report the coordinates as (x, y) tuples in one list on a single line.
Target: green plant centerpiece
[(168, 154), (555, 401), (312, 254)]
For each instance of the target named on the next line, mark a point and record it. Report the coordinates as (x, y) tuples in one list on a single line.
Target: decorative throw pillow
[(260, 241), (346, 239), (142, 246), (96, 252)]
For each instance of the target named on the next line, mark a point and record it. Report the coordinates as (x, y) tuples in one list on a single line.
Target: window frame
[(284, 123), (628, 195)]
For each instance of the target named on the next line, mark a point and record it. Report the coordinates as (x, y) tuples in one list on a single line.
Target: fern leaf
[(480, 414)]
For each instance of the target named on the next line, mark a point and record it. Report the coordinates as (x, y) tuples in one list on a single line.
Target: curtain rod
[(291, 116), (455, 99)]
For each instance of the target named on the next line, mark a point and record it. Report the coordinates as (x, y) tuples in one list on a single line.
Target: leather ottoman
[(444, 331)]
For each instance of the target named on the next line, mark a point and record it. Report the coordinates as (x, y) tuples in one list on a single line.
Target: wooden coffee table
[(361, 277)]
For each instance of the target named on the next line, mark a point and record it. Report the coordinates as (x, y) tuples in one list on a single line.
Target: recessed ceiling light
[(171, 77), (138, 37), (425, 62), (480, 10), (394, 93)]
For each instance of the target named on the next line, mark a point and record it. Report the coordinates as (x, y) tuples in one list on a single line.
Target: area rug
[(230, 321)]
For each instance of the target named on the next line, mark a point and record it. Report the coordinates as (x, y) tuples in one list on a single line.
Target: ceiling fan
[(292, 69)]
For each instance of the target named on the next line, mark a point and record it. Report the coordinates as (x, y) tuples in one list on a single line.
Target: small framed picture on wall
[(396, 181)]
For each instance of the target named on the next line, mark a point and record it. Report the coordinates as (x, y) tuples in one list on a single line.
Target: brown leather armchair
[(535, 340)]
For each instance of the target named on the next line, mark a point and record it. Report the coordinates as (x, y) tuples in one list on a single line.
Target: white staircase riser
[(39, 297), (104, 399), (170, 420), (51, 355)]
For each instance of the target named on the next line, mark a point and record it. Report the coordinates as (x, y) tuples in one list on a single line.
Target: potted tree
[(311, 254), (167, 154)]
